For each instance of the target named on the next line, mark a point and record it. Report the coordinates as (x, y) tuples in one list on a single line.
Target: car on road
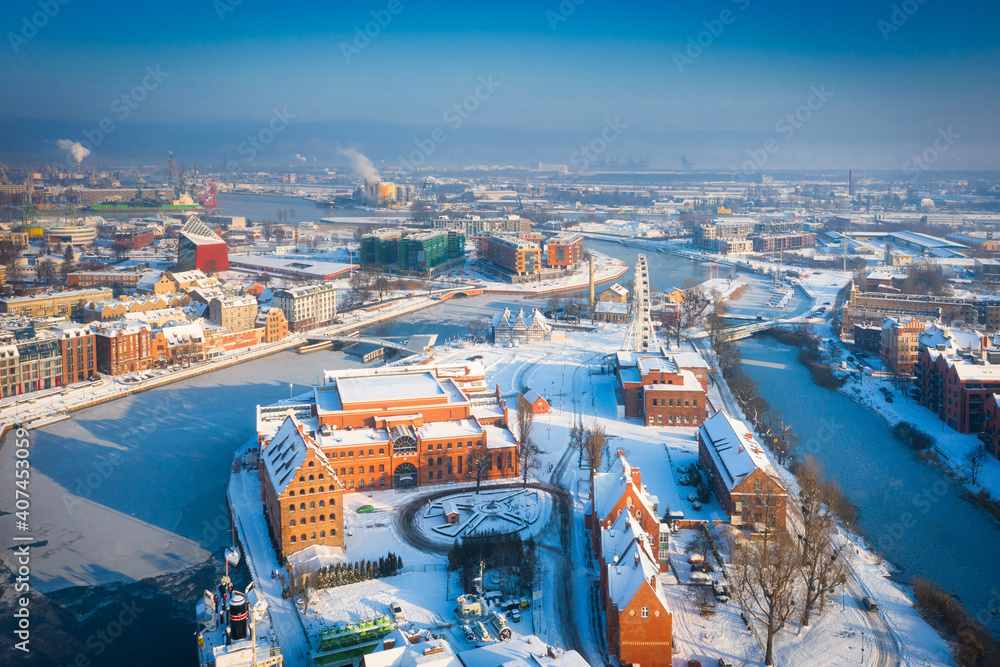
[(869, 604), (725, 663), (694, 663), (366, 509), (700, 578)]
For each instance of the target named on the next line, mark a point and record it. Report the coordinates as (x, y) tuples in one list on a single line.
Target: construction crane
[(172, 176), (3, 174)]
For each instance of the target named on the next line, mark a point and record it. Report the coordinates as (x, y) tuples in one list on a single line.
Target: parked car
[(721, 591), (725, 663), (700, 578), (397, 612), (366, 509), (696, 558), (869, 604), (694, 663)]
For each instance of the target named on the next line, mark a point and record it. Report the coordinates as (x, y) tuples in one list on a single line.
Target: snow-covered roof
[(527, 651), (733, 447), (610, 486), (183, 334), (286, 452), (418, 650), (618, 289), (689, 360), (460, 428), (690, 383), (634, 568), (616, 539), (532, 396), (611, 307), (389, 388), (199, 233), (497, 437), (149, 279), (656, 365)]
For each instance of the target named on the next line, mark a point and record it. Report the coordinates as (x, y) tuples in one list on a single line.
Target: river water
[(172, 480)]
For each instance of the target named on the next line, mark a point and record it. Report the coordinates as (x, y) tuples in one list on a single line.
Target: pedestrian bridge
[(741, 331), (412, 345)]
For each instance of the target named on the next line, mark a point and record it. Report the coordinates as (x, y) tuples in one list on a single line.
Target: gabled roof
[(734, 449), (616, 539), (634, 568), (286, 452), (609, 487)]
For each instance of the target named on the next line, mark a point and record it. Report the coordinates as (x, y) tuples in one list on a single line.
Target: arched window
[(302, 478), (291, 508), (312, 536), (292, 522), (312, 519), (302, 506), (303, 537), (343, 472), (381, 467), (322, 518), (312, 478), (312, 504), (312, 490), (361, 483), (371, 470), (312, 465), (322, 503), (322, 534), (321, 476), (439, 460), (430, 461), (333, 517), (321, 491), (371, 452), (333, 532), (381, 450), (293, 539)]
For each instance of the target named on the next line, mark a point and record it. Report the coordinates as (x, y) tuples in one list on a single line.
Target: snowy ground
[(524, 511), (556, 371)]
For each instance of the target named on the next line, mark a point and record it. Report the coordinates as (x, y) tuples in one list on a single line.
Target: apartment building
[(900, 342), (236, 313), (79, 353), (307, 306), (123, 347)]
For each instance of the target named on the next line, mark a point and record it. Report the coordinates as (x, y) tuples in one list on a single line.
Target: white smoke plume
[(361, 165), (299, 158), (75, 149)]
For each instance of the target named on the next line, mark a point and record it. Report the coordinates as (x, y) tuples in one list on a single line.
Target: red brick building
[(538, 405), (639, 620), (513, 256), (405, 427), (661, 391), (990, 434), (79, 356), (744, 481), (303, 498), (134, 238), (120, 279), (956, 385), (123, 347), (617, 491)]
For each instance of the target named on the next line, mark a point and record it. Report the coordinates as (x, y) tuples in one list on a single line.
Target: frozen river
[(912, 513)]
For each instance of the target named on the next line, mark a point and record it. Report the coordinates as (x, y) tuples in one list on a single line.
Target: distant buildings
[(236, 313), (307, 306), (524, 257), (121, 280), (199, 247), (744, 481), (740, 236), (614, 294), (414, 251), (68, 304), (123, 347)]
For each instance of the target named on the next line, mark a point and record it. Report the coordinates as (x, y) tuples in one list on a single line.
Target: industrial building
[(384, 428), (667, 390), (294, 268)]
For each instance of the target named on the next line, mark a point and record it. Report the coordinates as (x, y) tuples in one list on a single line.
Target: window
[(292, 540), (758, 486), (303, 537), (654, 402), (430, 475), (312, 519), (302, 478), (292, 522), (322, 534), (302, 506), (645, 612), (312, 490), (291, 508), (321, 489), (430, 461), (312, 536), (371, 452), (381, 467), (312, 504)]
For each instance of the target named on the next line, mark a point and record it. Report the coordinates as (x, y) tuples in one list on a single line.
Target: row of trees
[(590, 443), (783, 574), (343, 574)]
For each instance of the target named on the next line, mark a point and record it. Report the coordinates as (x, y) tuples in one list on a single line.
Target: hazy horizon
[(873, 84)]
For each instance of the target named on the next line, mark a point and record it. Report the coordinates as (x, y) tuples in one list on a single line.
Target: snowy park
[(523, 511)]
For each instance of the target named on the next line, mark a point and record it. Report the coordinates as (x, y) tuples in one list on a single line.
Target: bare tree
[(480, 463), (360, 287), (478, 327), (689, 311), (527, 450), (974, 461), (764, 580), (595, 441), (823, 569), (578, 437), (45, 271)]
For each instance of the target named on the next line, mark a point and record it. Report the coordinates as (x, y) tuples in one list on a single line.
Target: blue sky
[(557, 85)]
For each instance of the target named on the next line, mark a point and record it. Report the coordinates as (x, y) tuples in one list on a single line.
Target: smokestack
[(591, 283), (850, 181)]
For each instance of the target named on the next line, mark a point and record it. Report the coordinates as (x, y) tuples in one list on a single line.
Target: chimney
[(652, 581), (637, 559), (591, 283)]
